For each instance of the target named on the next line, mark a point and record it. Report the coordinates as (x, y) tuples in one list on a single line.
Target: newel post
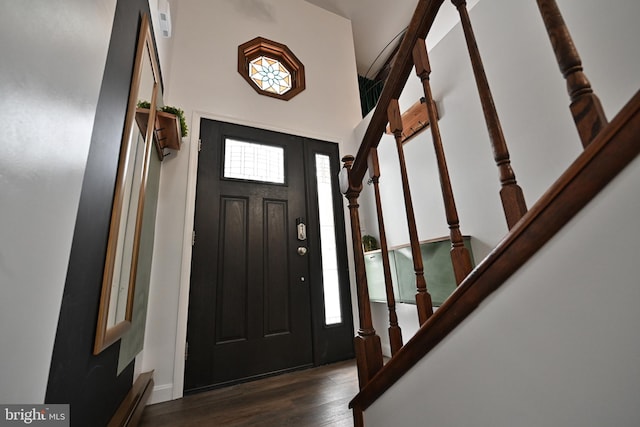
[(367, 343)]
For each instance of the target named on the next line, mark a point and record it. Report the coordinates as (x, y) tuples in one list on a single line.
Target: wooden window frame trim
[(260, 46)]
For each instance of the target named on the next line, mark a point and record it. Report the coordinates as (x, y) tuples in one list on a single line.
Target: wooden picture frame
[(119, 276)]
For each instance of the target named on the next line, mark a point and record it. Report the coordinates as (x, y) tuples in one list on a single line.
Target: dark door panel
[(252, 310)]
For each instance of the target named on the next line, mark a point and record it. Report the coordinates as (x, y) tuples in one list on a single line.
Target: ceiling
[(376, 25)]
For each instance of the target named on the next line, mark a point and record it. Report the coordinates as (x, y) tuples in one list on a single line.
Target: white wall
[(53, 56), (532, 103), (164, 45), (205, 83), (557, 345)]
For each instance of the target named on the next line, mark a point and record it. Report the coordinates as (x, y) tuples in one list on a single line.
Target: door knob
[(302, 251)]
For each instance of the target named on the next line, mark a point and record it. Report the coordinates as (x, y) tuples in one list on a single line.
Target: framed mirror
[(119, 276)]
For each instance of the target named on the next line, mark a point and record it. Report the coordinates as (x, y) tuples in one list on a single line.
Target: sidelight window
[(331, 283)]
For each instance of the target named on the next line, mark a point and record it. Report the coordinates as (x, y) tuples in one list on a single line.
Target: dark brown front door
[(252, 299)]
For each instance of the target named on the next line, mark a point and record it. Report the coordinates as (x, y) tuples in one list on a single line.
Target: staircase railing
[(608, 148)]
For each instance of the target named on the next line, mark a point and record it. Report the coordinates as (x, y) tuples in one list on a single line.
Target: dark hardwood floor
[(313, 397)]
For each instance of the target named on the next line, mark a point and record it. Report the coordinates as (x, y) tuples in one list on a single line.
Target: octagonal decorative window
[(270, 75), (271, 68)]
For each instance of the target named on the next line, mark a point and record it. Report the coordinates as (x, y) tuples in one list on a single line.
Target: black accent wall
[(89, 383)]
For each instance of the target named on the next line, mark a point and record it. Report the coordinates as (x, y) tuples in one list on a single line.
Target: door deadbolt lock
[(302, 251), (301, 229)]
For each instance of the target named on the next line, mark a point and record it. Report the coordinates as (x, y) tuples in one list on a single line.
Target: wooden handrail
[(610, 152), (420, 24), (609, 148)]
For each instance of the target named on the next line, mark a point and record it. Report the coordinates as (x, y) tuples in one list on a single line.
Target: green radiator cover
[(438, 271)]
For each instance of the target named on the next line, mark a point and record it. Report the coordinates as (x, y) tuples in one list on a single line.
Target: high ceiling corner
[(377, 23)]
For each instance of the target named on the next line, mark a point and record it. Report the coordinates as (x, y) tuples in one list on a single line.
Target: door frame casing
[(185, 270)]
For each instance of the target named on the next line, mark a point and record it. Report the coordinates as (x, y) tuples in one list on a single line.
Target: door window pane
[(330, 279), (254, 162)]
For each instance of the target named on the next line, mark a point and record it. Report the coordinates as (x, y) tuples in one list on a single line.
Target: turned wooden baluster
[(511, 194), (423, 298), (585, 106), (460, 257), (367, 343), (395, 333)]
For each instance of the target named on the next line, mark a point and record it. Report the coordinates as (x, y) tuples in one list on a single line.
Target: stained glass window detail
[(254, 162), (271, 68), (270, 75)]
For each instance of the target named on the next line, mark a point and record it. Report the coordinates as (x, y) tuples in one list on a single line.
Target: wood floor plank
[(317, 397)]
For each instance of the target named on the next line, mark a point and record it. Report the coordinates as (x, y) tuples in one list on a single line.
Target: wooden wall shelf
[(167, 130), (414, 120)]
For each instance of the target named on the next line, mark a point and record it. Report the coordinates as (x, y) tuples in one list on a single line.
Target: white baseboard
[(161, 393)]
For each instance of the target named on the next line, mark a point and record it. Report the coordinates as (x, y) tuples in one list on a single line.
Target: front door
[(258, 259)]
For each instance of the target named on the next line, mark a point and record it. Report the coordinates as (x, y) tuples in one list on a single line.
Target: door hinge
[(193, 237), (199, 145), (186, 351)]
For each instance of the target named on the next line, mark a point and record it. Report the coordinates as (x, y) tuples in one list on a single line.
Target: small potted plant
[(369, 243), (178, 112)]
